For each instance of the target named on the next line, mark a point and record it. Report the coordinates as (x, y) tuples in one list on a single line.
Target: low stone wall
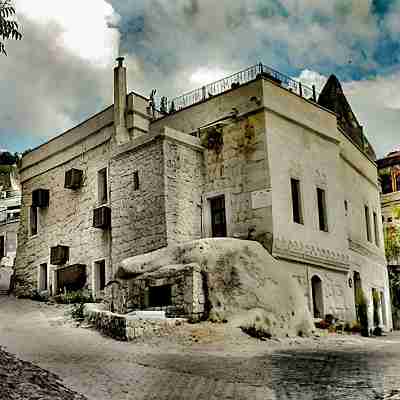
[(126, 327)]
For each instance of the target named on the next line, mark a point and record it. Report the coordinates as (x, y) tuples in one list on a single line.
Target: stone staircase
[(3, 292)]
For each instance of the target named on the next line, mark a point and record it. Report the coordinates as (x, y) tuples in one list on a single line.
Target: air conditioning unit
[(73, 179), (102, 217), (40, 198), (59, 255)]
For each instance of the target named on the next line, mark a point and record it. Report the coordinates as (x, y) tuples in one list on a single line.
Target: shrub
[(77, 312), (38, 296), (78, 296)]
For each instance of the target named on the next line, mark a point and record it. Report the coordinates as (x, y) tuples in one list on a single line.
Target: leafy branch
[(9, 28)]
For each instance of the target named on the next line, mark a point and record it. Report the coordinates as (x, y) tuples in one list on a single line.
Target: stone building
[(389, 173), (10, 204), (254, 156)]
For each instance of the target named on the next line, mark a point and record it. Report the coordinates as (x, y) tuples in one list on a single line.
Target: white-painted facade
[(10, 204), (164, 175)]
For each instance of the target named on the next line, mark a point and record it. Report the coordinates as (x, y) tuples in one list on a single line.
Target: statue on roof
[(152, 103)]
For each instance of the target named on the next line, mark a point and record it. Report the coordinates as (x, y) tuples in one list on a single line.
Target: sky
[(61, 72)]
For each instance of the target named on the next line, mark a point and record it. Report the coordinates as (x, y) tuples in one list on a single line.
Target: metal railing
[(247, 75)]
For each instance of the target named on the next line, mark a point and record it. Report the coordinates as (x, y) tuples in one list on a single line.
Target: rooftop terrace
[(235, 80)]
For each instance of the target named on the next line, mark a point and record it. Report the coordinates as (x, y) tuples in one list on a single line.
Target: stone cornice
[(360, 248), (296, 250), (145, 139)]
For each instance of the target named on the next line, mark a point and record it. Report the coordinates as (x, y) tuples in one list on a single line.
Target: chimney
[(120, 92)]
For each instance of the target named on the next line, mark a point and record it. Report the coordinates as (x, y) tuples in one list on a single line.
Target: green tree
[(394, 283), (391, 234), (9, 28), (6, 158)]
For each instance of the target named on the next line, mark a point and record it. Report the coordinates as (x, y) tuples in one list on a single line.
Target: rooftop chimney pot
[(120, 61)]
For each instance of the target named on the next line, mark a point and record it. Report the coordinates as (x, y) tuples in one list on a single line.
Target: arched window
[(317, 297)]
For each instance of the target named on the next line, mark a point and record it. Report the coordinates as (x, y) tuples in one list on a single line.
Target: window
[(99, 275), (296, 201), (346, 208), (376, 230), (136, 180), (218, 219), (367, 223), (2, 247), (43, 277), (102, 189), (386, 183), (322, 216), (33, 220)]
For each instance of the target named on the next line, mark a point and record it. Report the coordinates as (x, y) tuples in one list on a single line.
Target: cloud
[(376, 103), (50, 83), (295, 34), (82, 26), (177, 46), (309, 78), (62, 70)]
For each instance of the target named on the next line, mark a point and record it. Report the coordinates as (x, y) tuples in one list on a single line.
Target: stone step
[(3, 292), (147, 314)]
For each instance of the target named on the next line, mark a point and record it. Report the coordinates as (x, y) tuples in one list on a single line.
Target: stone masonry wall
[(184, 178), (9, 231), (125, 328), (239, 169), (67, 221), (138, 216)]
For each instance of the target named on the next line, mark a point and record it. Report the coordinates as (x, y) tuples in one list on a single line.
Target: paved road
[(103, 369)]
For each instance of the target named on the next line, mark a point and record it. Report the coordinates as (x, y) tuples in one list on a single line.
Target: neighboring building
[(253, 156), (10, 205), (389, 173)]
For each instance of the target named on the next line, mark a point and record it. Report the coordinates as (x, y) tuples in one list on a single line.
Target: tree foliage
[(6, 158), (9, 28), (392, 242)]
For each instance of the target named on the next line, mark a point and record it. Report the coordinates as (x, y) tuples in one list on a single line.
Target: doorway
[(218, 217), (357, 292), (317, 297)]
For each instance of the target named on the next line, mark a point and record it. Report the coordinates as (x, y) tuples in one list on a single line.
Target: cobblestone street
[(223, 367), (367, 372)]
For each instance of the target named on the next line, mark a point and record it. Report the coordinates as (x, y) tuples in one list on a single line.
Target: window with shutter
[(296, 201), (322, 214), (102, 188), (33, 220)]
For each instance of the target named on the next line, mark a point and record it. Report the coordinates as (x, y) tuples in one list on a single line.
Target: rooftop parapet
[(231, 82)]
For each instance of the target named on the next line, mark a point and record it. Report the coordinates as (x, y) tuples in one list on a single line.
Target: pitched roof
[(333, 98)]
